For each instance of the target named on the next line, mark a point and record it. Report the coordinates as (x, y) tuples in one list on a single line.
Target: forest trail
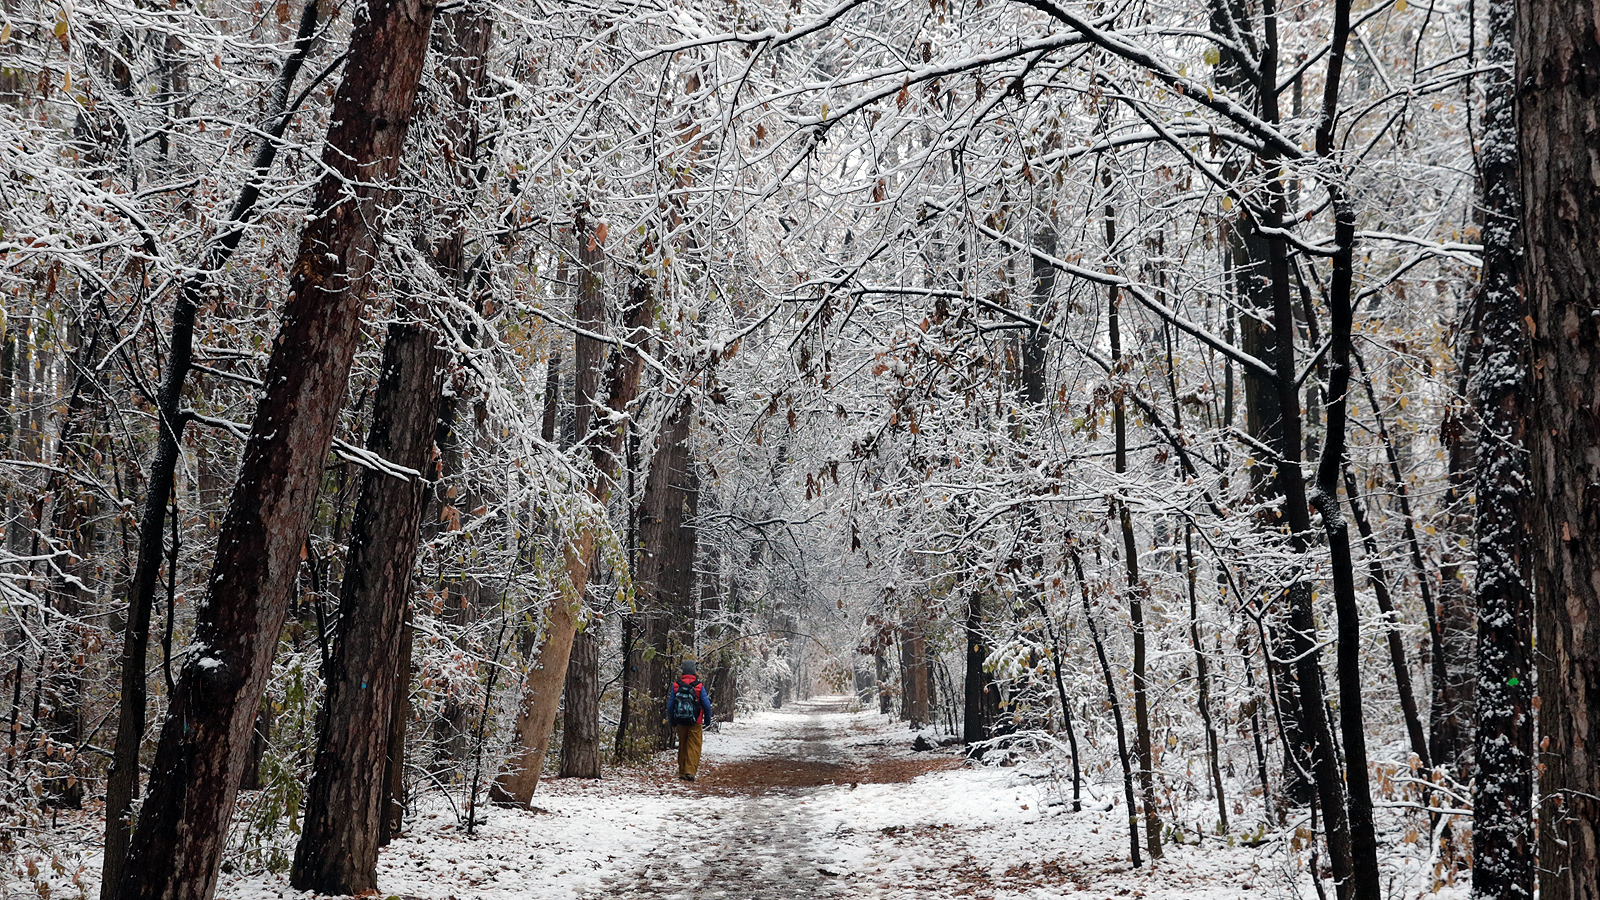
[(771, 845), (810, 802)]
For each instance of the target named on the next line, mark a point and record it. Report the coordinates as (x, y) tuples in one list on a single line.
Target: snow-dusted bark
[(1502, 792)]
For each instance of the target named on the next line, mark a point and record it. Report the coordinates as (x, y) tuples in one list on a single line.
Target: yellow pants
[(688, 750)]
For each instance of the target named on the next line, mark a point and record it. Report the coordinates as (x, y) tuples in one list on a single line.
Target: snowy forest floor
[(811, 801)]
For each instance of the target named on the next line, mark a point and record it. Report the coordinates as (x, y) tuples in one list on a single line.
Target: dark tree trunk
[(914, 673), (1397, 650), (250, 777), (880, 670), (982, 696), (122, 780), (1249, 260), (1203, 679), (1502, 793), (394, 761), (1558, 56), (338, 848), (1454, 709), (665, 577), (1057, 651), (206, 734), (580, 732), (346, 806), (632, 665)]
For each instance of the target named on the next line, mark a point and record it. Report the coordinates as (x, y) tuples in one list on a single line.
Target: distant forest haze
[(1199, 396)]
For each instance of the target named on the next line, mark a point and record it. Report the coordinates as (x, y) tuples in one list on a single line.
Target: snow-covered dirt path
[(812, 802)]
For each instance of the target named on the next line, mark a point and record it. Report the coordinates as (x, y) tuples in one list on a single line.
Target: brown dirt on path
[(760, 776)]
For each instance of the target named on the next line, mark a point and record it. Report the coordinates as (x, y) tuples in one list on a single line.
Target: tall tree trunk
[(338, 848), (1502, 793), (1558, 55), (580, 732), (541, 692), (1202, 670), (346, 806), (178, 842), (1454, 710), (1249, 260), (880, 669), (665, 577), (122, 781), (914, 672)]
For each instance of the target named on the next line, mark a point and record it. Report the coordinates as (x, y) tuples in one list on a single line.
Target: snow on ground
[(812, 801)]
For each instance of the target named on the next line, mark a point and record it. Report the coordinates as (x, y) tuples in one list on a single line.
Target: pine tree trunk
[(178, 842), (1558, 92)]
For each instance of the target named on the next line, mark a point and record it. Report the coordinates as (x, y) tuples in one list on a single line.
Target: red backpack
[(685, 706)]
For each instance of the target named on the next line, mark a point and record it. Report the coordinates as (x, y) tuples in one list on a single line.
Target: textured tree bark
[(338, 848), (580, 732), (914, 672), (347, 809), (1502, 793), (178, 842), (122, 780), (394, 761), (665, 577), (1454, 709), (1558, 93), (541, 692)]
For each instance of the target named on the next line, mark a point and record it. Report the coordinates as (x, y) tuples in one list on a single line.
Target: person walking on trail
[(689, 710)]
